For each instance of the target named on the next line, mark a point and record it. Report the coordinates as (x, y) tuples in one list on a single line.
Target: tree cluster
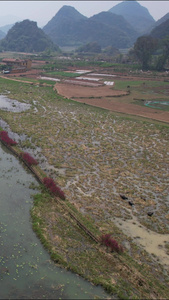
[(152, 52)]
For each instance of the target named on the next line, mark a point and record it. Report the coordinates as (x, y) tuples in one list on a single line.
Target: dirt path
[(24, 81)]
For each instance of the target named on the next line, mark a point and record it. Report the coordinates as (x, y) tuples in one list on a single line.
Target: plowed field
[(108, 98)]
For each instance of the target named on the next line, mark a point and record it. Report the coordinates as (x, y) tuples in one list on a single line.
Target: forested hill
[(66, 15), (69, 28), (117, 28), (116, 23), (161, 31), (25, 36)]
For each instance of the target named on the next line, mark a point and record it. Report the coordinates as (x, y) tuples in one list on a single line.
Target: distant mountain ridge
[(114, 21), (68, 27), (6, 28), (65, 14), (158, 23), (136, 15), (2, 34), (161, 31), (61, 26), (163, 19)]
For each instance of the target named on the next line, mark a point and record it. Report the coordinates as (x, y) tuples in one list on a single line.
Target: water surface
[(12, 105)]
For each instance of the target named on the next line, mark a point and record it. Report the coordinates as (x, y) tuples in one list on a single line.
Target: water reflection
[(26, 271), (12, 105)]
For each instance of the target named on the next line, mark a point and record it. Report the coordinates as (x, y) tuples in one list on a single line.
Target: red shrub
[(28, 158), (50, 184), (3, 133), (60, 193), (6, 139), (105, 239), (109, 242)]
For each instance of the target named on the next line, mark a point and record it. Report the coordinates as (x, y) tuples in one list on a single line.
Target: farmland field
[(96, 155), (134, 100)]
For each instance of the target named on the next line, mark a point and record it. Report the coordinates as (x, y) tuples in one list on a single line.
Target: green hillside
[(161, 31), (25, 36)]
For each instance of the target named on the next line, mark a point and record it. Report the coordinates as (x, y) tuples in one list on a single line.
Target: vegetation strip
[(42, 181)]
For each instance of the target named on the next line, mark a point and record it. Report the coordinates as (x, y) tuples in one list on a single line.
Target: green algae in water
[(26, 271)]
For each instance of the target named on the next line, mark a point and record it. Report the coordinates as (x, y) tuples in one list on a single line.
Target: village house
[(17, 65)]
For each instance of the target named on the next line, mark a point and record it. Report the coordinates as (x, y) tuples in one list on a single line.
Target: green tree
[(144, 48), (92, 47)]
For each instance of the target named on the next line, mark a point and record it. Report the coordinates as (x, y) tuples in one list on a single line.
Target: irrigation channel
[(26, 271)]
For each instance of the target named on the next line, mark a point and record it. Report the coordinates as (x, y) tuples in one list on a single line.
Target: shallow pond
[(152, 242), (12, 105), (26, 271)]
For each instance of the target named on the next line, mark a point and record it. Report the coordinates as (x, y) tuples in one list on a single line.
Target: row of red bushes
[(48, 182), (28, 158), (54, 189), (10, 142), (110, 243), (6, 139)]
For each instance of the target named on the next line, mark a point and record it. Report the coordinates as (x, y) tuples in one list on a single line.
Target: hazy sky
[(43, 11)]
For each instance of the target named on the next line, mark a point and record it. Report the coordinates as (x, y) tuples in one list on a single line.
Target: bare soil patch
[(106, 97), (73, 91)]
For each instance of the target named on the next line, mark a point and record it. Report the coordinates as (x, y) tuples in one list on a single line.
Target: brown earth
[(108, 98), (99, 95)]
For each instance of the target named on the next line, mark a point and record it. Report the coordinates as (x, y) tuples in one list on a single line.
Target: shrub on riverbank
[(109, 242), (50, 184), (6, 139), (28, 158)]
